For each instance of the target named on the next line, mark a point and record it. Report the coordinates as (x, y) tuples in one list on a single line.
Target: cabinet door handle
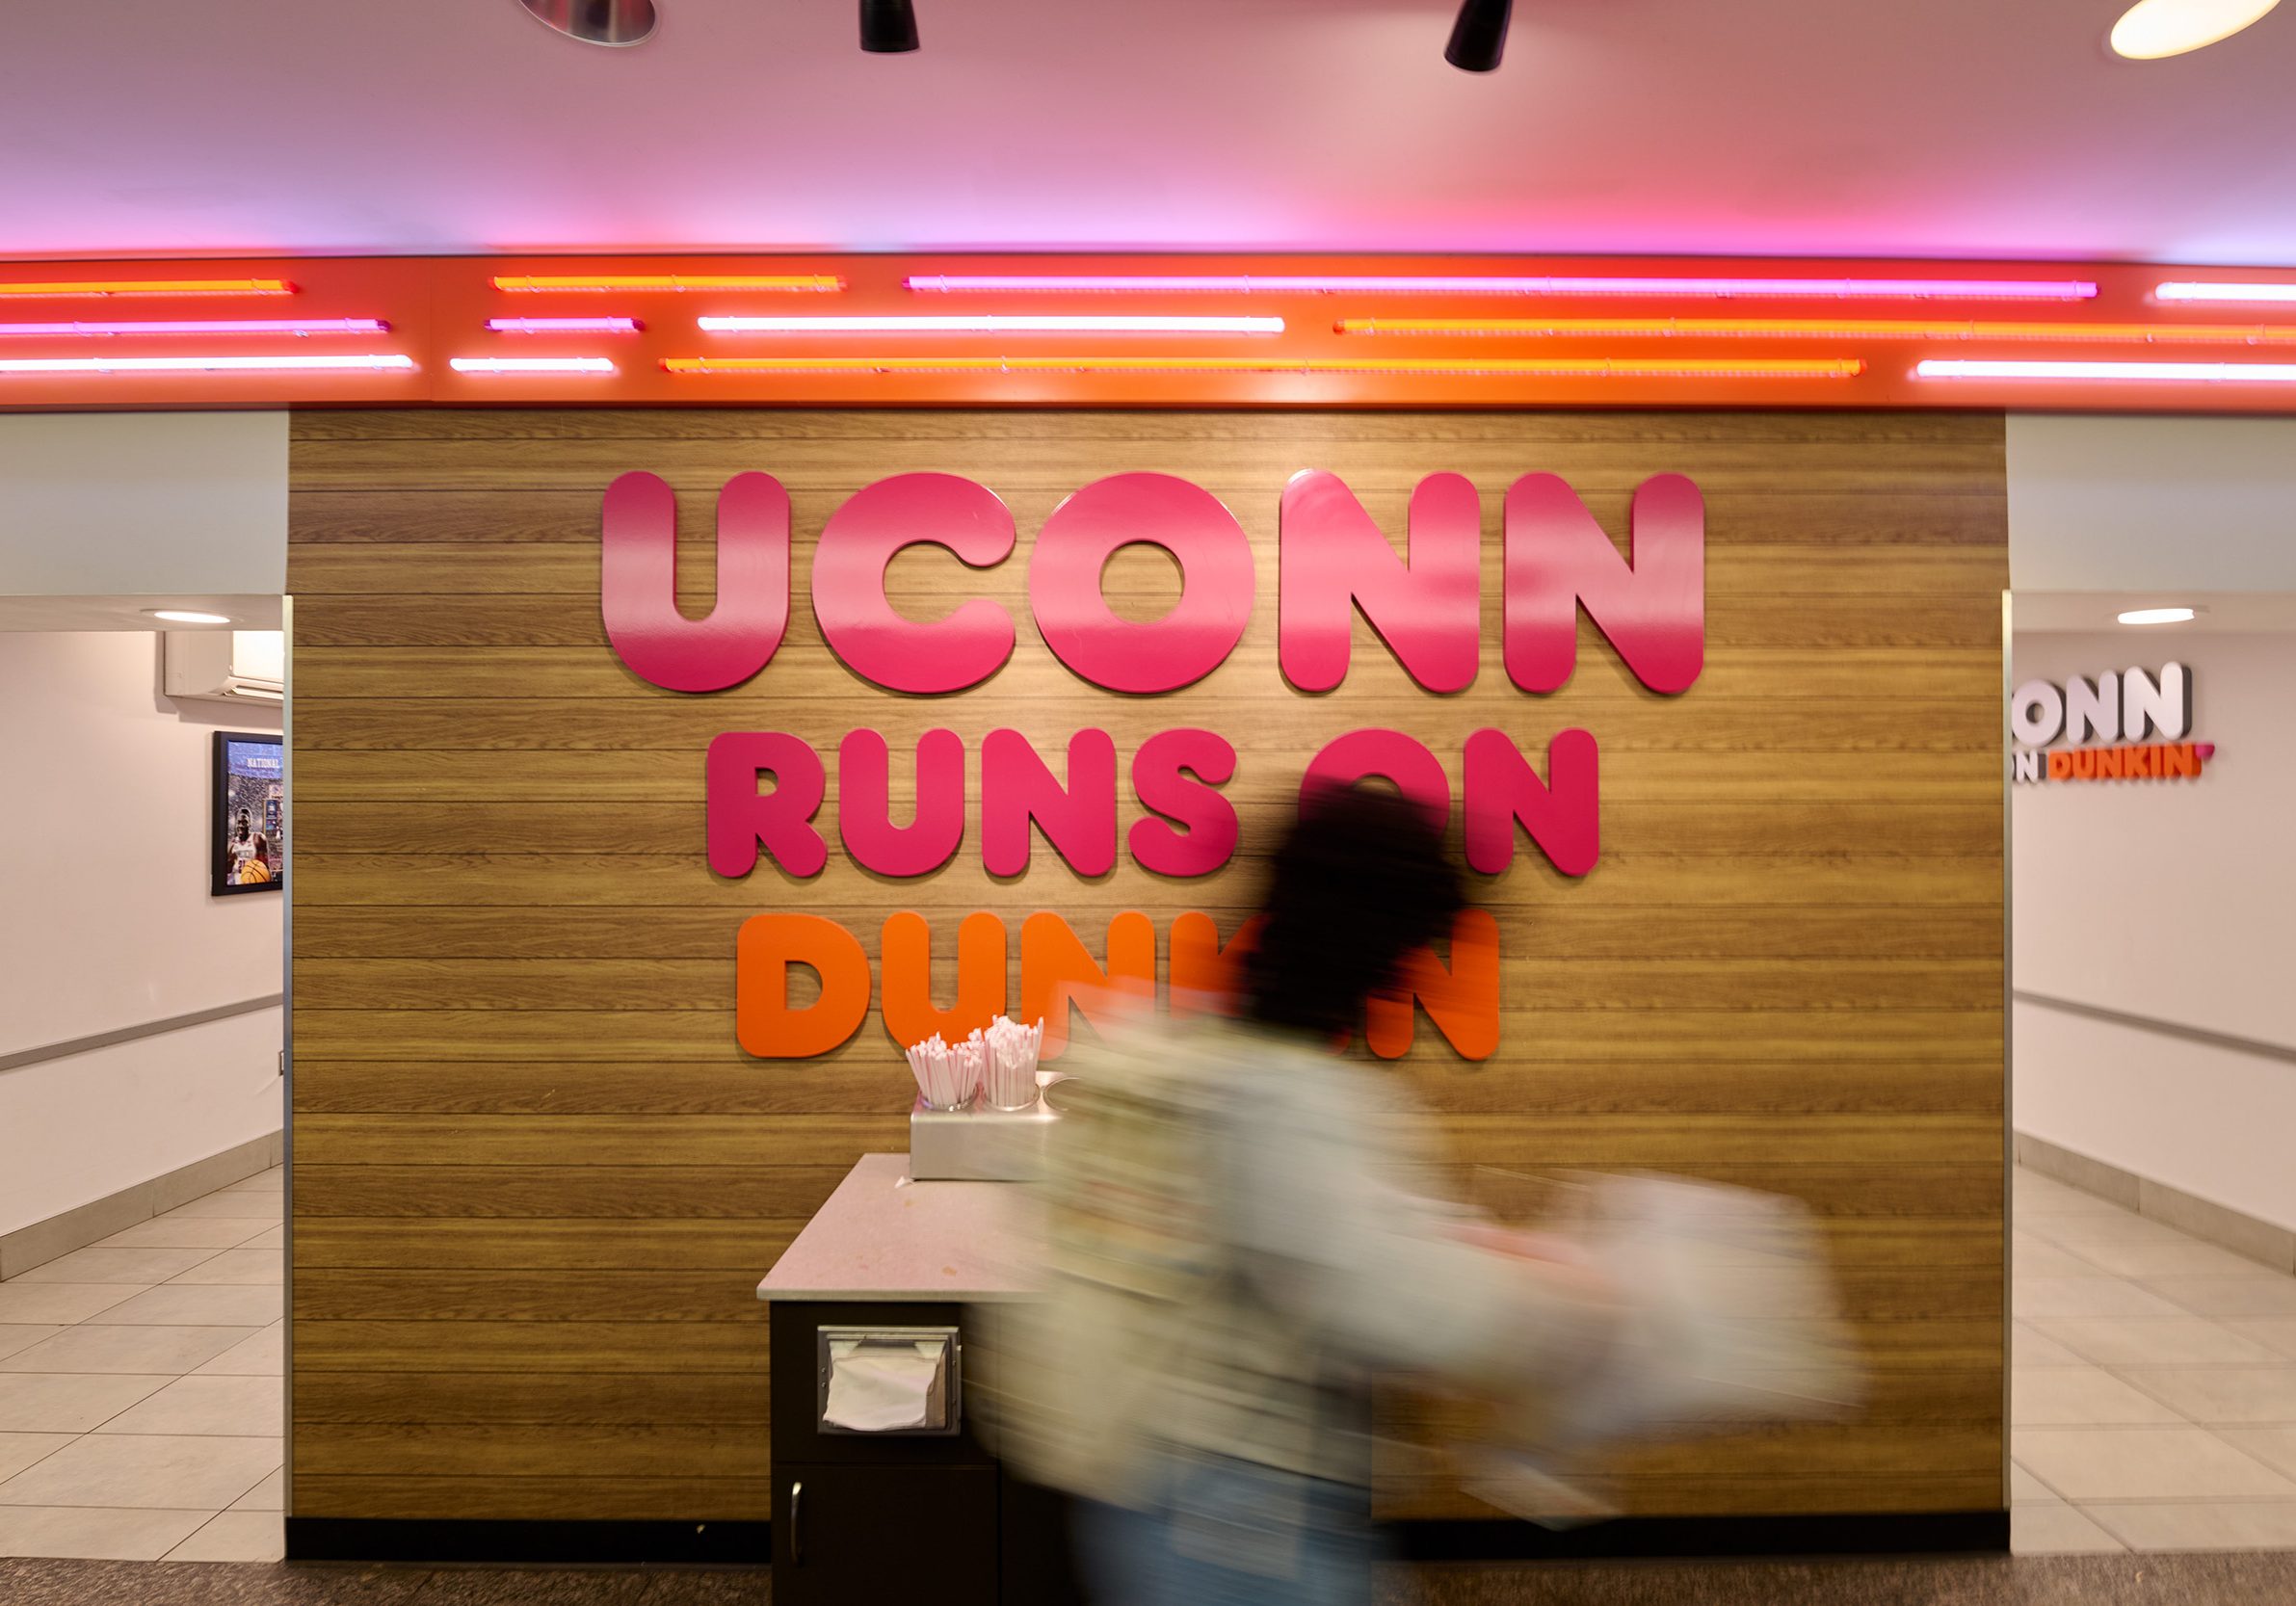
[(796, 1534)]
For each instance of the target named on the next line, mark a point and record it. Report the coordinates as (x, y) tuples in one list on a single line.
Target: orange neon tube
[(1823, 328), (148, 287), (1588, 368), (798, 283)]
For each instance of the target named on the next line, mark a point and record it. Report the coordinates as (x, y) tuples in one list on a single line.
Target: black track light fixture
[(888, 27), (1479, 37)]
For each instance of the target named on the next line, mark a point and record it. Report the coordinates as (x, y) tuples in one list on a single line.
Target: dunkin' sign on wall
[(766, 789), (2128, 724)]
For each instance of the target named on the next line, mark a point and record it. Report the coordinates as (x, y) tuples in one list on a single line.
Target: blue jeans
[(1232, 1533)]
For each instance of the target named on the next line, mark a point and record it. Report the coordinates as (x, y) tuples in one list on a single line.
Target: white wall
[(142, 504), (2174, 901), (2110, 504), (108, 923)]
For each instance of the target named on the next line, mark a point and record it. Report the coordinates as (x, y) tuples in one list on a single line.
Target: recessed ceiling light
[(2151, 29), (2156, 615), (187, 615)]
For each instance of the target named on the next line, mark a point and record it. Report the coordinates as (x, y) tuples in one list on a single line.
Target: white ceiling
[(1812, 127), (128, 613), (2216, 612)]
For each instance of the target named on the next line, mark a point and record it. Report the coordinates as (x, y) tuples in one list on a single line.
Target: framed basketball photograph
[(248, 794)]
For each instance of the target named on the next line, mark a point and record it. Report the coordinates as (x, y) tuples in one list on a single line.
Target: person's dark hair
[(1360, 881)]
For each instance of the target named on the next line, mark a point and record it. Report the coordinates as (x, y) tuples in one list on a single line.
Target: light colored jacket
[(1319, 1267)]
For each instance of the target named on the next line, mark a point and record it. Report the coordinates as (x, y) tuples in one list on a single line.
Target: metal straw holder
[(979, 1144)]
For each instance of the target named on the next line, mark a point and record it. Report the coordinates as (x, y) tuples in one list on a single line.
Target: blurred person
[(256, 868), (1234, 1257)]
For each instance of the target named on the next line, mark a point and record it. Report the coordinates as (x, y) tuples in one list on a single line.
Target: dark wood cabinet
[(869, 1519), (856, 1535)]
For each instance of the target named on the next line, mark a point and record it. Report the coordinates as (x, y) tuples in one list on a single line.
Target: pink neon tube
[(564, 325), (1844, 289), (209, 326), (377, 361)]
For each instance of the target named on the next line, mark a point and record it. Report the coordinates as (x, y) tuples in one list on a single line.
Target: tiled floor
[(2153, 1391), (140, 1390), (2153, 1395)]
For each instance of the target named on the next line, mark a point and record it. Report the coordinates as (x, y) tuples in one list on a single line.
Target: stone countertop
[(883, 1237)]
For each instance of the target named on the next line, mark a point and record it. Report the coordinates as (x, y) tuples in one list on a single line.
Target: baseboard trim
[(1683, 1538), (359, 1538), (2264, 1241), (336, 1538), (43, 1241)]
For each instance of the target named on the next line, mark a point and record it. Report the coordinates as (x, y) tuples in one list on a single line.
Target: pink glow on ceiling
[(1760, 127)]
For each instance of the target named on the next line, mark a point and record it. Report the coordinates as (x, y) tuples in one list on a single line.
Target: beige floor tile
[(61, 1303), (2080, 1396), (275, 1239), (95, 1534), (2189, 1259), (2025, 1489), (2034, 1299), (235, 1536), (256, 1208), (2259, 1294), (2274, 1332), (180, 1472), (217, 1232), (2055, 1531), (2194, 1525), (2275, 1447), (273, 1179), (2031, 1256), (260, 1354), (100, 1263), (18, 1451), (241, 1408), (105, 1346), (17, 1336), (184, 1307), (269, 1495), (2029, 1347), (2222, 1394), (2154, 1341), (67, 1403), (2092, 1464), (247, 1268)]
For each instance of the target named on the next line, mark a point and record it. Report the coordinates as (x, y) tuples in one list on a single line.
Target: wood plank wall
[(535, 1179)]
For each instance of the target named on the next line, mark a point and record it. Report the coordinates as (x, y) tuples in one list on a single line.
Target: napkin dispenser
[(888, 1380), (979, 1144)]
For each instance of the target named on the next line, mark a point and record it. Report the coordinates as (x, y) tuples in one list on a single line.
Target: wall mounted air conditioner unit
[(238, 666)]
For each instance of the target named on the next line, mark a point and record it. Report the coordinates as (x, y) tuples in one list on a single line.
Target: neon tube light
[(377, 361), (207, 326), (995, 324), (1886, 289), (1818, 329), (2263, 372), (149, 287), (2177, 290), (1596, 368), (564, 325), (794, 283), (530, 365)]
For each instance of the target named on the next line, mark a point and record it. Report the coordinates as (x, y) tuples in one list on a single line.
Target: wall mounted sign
[(766, 789), (2120, 725)]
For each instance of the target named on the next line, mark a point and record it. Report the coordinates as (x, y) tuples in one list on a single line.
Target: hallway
[(142, 1389), (2153, 1385)]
